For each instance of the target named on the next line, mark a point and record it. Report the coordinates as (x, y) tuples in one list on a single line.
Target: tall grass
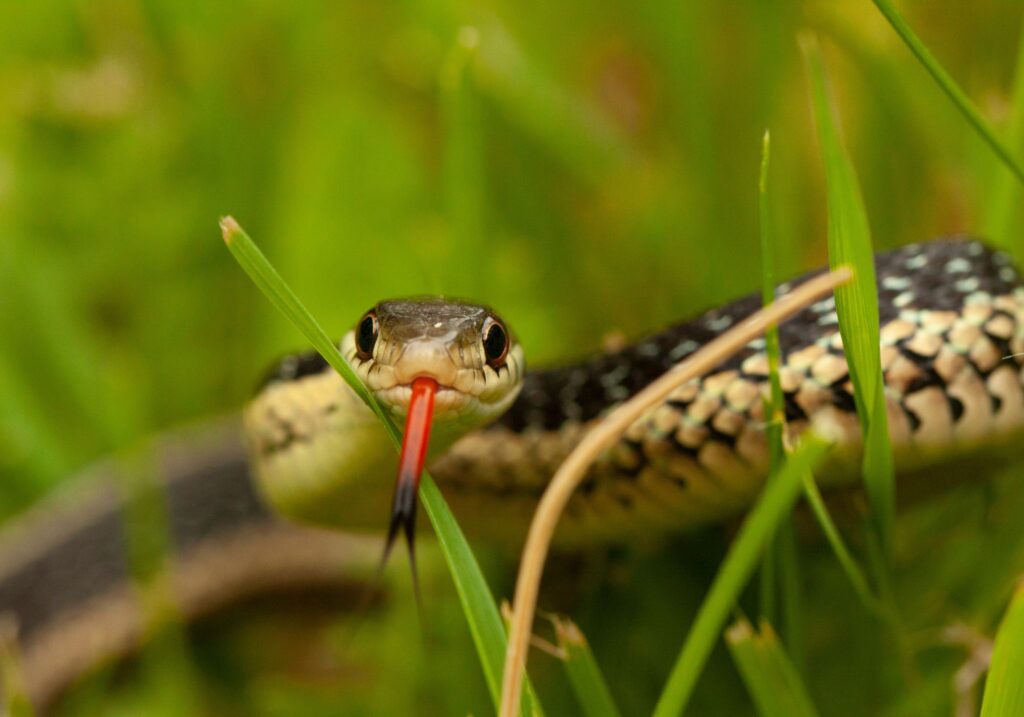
[(849, 243), (771, 509), (781, 559)]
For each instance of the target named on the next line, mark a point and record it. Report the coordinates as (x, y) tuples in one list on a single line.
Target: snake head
[(466, 348), (433, 363)]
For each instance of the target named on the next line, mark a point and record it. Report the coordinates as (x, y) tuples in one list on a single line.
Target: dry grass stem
[(601, 437)]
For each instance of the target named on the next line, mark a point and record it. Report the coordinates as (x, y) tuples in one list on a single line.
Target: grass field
[(582, 167)]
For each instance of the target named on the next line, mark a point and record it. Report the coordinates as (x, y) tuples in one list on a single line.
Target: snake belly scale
[(952, 335)]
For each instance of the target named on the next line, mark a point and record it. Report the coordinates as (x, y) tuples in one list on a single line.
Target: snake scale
[(952, 350)]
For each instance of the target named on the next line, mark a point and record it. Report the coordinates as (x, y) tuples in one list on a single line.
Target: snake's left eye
[(496, 342), (366, 335)]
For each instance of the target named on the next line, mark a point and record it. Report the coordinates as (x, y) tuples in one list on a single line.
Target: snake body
[(952, 338), (952, 335)]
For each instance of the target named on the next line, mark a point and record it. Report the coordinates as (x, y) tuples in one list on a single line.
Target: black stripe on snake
[(952, 339)]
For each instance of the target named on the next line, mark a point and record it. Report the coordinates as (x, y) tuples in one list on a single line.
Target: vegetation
[(522, 155)]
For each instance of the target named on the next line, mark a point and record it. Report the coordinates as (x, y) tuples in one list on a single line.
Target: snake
[(291, 494)]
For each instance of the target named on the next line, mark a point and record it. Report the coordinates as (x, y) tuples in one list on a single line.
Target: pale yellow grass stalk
[(602, 436)]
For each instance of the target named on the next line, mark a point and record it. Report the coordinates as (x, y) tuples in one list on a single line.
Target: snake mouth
[(449, 402)]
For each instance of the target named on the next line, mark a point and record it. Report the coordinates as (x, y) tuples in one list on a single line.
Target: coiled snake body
[(952, 335)]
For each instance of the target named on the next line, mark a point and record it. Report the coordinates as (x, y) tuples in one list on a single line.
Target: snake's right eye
[(366, 335), (495, 340)]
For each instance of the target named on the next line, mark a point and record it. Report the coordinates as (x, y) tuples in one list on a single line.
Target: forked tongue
[(410, 467)]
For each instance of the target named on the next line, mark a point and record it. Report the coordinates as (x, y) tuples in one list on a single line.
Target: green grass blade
[(771, 509), (477, 602), (949, 86), (781, 561), (485, 623), (849, 242), (835, 540), (1004, 688), (1004, 199), (776, 404), (266, 278), (772, 680), (585, 676), (767, 589)]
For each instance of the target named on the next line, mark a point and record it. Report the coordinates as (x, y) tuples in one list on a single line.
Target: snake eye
[(496, 342), (366, 335)]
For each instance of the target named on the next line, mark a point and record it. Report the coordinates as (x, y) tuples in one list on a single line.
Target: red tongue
[(410, 465)]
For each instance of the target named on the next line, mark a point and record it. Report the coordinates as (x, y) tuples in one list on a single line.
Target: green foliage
[(770, 510)]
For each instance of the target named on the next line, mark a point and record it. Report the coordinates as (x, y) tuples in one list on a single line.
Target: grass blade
[(1004, 200), (772, 406), (781, 562), (771, 509), (835, 540), (770, 676), (949, 86), (1004, 688), (584, 674), (477, 602), (849, 242), (776, 405)]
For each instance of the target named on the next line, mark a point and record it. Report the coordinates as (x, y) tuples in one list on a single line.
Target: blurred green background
[(582, 167)]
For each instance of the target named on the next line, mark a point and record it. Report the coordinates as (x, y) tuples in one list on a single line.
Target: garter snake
[(952, 336)]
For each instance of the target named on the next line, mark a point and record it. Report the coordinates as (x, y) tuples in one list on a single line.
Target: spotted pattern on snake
[(952, 335)]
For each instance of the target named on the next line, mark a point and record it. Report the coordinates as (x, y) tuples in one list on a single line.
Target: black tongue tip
[(403, 517), (410, 468)]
